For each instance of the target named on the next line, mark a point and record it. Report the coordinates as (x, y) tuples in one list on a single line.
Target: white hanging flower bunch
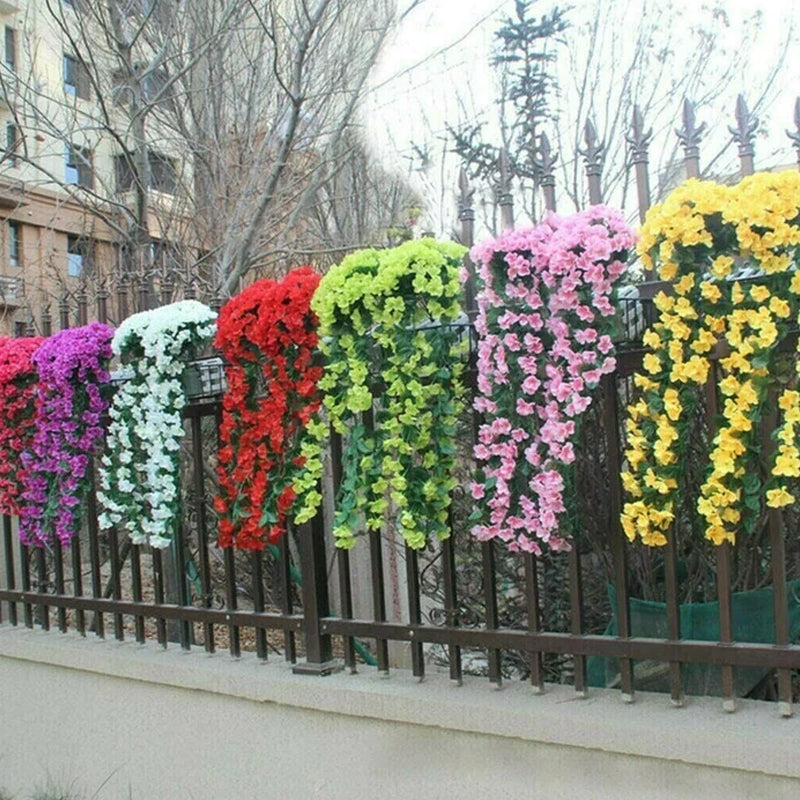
[(140, 472)]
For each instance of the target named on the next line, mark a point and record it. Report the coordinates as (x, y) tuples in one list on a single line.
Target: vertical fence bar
[(158, 591), (639, 140), (234, 642), (289, 643), (534, 619), (202, 527), (690, 136), (234, 645), (136, 590), (77, 583), (116, 582), (544, 159), (778, 548), (505, 199), (616, 535), (490, 599), (342, 556), (257, 569), (94, 550), (376, 573), (451, 602), (25, 576), (414, 610), (744, 135), (58, 578), (723, 562), (179, 550), (316, 606), (8, 550), (43, 584), (673, 613), (577, 615), (593, 156)]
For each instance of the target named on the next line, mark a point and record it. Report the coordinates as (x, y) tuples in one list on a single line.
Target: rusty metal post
[(639, 140), (593, 156), (503, 192), (466, 215), (744, 134), (690, 136), (544, 160)]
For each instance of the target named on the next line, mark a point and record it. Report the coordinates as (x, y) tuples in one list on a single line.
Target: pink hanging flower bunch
[(545, 319)]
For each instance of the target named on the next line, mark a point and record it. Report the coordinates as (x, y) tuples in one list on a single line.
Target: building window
[(11, 48), (14, 243), (79, 166), (13, 141), (20, 329), (76, 78), (163, 173), (79, 255)]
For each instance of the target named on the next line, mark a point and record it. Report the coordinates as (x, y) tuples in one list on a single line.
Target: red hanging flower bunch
[(17, 420), (268, 336)]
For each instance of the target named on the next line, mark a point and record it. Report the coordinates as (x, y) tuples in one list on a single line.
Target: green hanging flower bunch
[(387, 326)]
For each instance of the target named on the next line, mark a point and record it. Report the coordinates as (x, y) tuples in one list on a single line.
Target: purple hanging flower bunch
[(71, 397)]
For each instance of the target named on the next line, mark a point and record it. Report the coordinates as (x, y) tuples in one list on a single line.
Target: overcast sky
[(414, 95)]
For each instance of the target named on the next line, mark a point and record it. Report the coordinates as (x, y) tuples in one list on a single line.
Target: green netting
[(753, 621)]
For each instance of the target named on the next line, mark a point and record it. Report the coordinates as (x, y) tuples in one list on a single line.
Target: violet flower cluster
[(71, 399), (545, 315)]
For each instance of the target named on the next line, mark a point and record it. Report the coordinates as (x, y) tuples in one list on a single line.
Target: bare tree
[(646, 54), (200, 135)]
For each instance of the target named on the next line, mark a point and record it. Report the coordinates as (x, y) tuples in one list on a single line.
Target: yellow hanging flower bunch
[(731, 254), (386, 321)]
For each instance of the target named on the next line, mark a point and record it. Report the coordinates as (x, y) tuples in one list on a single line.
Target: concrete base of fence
[(133, 722)]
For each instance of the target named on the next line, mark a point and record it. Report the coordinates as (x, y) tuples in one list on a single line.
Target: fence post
[(593, 158), (466, 215), (63, 313), (743, 134), (316, 604), (503, 193), (102, 305), (689, 136), (47, 322), (544, 160), (83, 315), (639, 140), (795, 134)]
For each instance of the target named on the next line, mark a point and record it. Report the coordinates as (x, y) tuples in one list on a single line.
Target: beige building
[(67, 199)]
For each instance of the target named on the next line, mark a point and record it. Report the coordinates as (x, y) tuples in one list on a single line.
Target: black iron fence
[(608, 613)]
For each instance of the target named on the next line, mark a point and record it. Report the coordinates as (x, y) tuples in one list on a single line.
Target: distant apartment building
[(68, 197)]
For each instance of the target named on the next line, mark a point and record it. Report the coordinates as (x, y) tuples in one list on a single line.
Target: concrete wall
[(134, 722)]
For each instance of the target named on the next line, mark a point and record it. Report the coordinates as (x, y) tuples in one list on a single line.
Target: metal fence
[(464, 606)]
